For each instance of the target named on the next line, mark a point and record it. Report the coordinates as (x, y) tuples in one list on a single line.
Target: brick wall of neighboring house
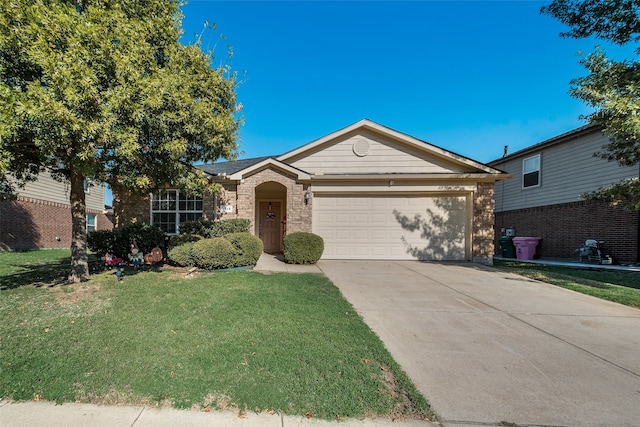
[(563, 227), (483, 220), (37, 224)]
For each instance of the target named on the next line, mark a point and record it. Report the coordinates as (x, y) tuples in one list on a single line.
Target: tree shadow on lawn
[(57, 273)]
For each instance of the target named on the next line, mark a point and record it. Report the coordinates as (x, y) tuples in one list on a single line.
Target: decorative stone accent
[(483, 241)]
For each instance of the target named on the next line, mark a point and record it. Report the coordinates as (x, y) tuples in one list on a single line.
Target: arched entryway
[(271, 211)]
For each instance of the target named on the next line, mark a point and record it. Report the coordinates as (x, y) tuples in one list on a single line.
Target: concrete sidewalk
[(48, 414), (275, 263)]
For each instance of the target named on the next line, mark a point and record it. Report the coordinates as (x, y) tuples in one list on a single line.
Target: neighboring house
[(543, 197), (41, 215), (369, 191)]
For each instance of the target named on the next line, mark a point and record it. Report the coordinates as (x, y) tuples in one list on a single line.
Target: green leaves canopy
[(611, 87), (105, 90)]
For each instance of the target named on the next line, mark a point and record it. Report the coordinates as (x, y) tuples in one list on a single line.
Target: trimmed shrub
[(215, 253), (208, 228), (118, 241), (302, 248), (248, 248), (228, 226), (101, 241), (199, 227), (181, 239), (182, 255), (146, 236)]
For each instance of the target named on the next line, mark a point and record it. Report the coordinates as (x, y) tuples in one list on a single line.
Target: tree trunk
[(79, 259)]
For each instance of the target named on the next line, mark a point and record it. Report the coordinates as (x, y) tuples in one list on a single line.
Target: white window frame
[(95, 222), (178, 206), (527, 169)]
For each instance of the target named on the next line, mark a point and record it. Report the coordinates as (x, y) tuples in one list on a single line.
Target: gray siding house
[(542, 199)]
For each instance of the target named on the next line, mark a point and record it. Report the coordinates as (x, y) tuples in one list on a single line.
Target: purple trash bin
[(525, 246)]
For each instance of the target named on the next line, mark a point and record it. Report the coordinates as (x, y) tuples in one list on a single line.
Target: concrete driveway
[(487, 347)]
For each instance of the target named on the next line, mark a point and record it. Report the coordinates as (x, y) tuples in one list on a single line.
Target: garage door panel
[(400, 227)]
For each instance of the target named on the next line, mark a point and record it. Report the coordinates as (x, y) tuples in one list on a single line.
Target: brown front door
[(270, 223)]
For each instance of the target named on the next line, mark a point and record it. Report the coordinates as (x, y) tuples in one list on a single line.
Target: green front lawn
[(618, 286), (280, 342)]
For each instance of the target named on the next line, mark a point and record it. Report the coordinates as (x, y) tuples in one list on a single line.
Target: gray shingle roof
[(228, 168)]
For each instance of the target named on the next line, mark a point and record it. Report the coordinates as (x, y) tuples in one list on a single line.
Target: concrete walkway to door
[(487, 347)]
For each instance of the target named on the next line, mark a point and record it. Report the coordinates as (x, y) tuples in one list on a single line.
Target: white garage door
[(399, 227)]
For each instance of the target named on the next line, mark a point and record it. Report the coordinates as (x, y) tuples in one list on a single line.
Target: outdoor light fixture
[(307, 197)]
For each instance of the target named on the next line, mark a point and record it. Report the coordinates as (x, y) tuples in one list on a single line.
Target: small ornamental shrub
[(146, 236), (118, 242), (248, 248), (199, 227), (180, 239), (101, 241), (182, 255), (208, 228), (228, 226), (215, 253), (302, 248)]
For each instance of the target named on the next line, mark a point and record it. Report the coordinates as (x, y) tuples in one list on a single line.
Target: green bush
[(208, 228), (118, 241), (248, 248), (180, 239), (302, 248), (101, 241), (199, 227), (146, 236), (214, 253), (228, 226), (182, 255)]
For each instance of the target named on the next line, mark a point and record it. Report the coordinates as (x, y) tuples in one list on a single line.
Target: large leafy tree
[(103, 90), (611, 87)]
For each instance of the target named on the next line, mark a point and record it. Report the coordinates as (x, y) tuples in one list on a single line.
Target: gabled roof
[(366, 124), (238, 169), (567, 136)]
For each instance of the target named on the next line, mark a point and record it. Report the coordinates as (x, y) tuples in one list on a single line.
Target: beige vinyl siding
[(46, 188), (566, 170), (383, 155)]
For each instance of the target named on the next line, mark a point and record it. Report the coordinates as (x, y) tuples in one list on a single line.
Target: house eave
[(477, 177), (567, 136)]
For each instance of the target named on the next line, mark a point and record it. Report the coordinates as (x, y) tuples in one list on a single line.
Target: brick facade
[(130, 207), (563, 227), (483, 222), (242, 197), (37, 224)]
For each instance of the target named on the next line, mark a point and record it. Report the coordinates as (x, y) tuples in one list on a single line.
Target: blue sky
[(468, 76)]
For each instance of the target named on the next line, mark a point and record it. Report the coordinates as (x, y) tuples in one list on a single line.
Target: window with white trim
[(91, 223), (531, 171), (170, 208)]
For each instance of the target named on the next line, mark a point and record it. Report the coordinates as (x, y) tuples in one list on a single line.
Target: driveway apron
[(487, 347)]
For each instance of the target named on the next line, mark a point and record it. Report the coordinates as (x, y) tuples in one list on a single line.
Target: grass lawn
[(618, 286), (243, 340)]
